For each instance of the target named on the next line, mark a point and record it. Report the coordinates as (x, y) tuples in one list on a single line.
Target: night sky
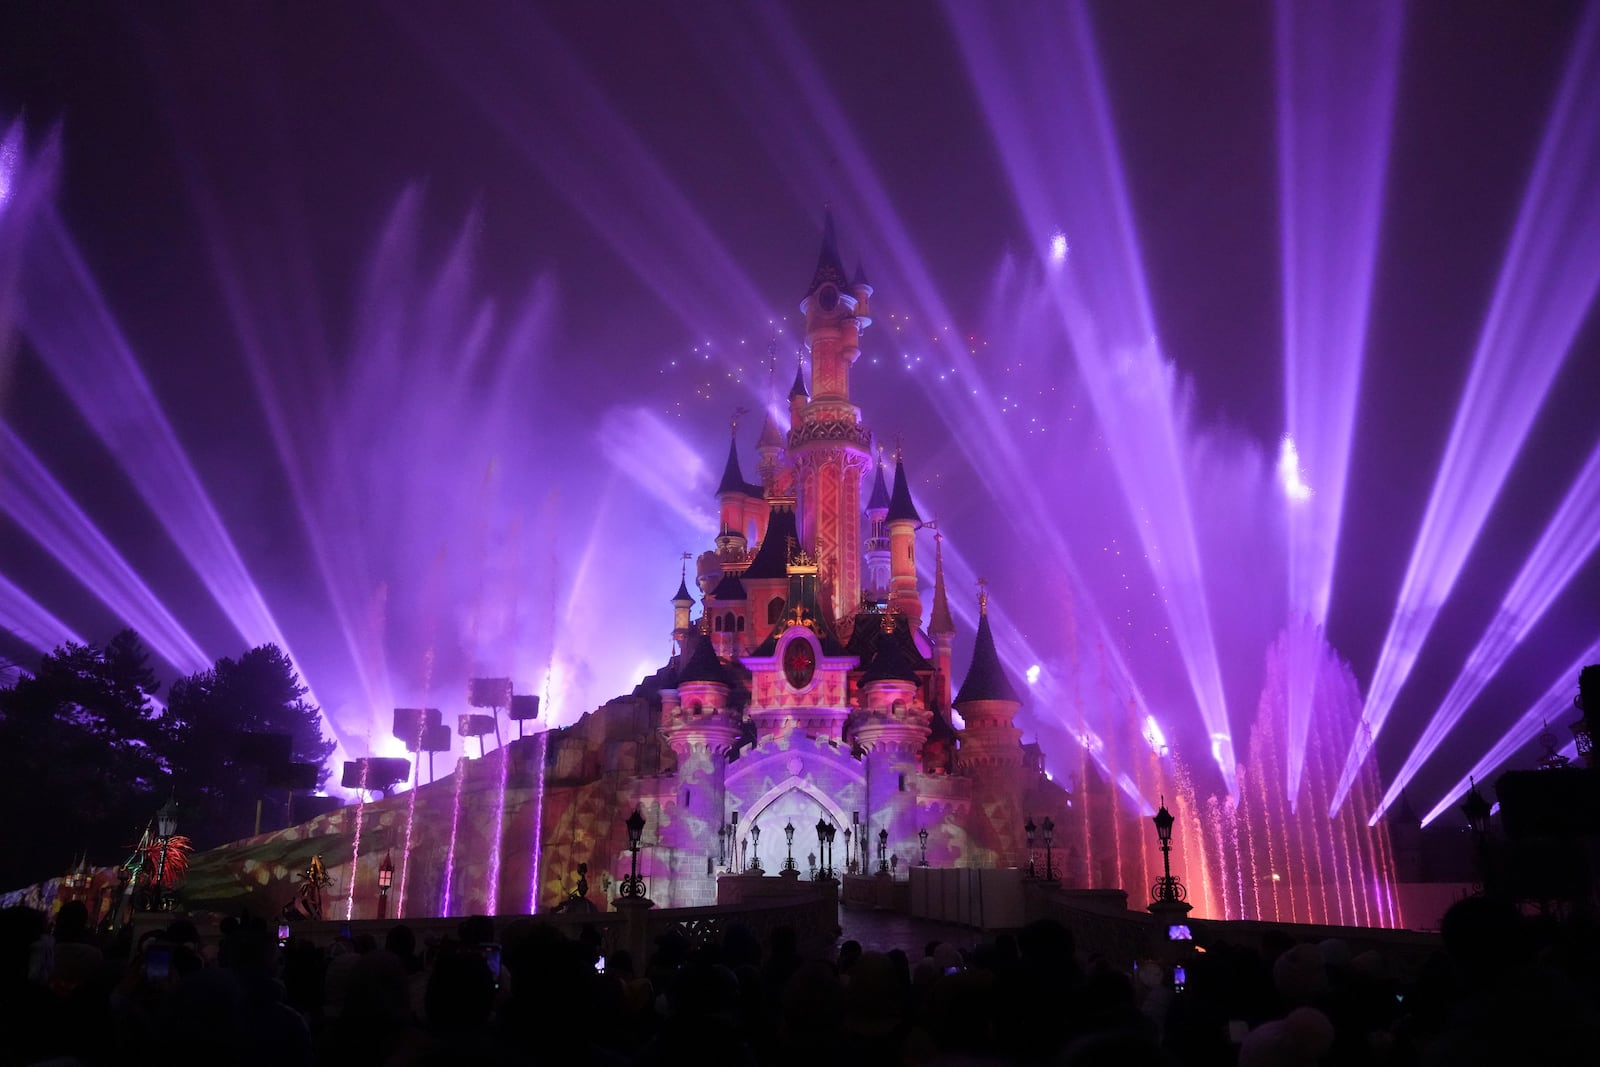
[(450, 307)]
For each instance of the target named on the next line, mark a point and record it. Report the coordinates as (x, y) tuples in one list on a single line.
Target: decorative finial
[(683, 568), (899, 447), (983, 596), (733, 423)]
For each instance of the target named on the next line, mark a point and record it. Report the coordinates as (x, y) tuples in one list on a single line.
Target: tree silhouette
[(83, 748), (217, 783)]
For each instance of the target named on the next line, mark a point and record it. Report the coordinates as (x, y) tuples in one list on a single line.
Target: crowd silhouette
[(1503, 989)]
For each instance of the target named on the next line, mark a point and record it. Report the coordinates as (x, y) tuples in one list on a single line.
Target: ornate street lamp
[(166, 830), (1028, 828), (922, 838), (828, 860), (850, 865), (385, 880), (822, 846), (788, 837), (883, 851), (633, 885), (1168, 890), (1049, 828), (755, 849)]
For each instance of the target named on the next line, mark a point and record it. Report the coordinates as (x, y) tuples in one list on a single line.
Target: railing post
[(636, 931)]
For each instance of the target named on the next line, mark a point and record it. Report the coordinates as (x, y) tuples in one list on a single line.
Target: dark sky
[(641, 188)]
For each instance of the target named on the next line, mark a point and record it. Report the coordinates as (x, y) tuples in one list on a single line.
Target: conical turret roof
[(940, 622), (733, 478), (772, 558), (889, 663), (682, 596), (830, 268), (860, 277), (986, 677), (771, 436), (879, 500), (900, 505), (703, 664), (798, 389)]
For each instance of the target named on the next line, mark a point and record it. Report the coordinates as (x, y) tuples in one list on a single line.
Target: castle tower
[(770, 466), (941, 628), (877, 546), (701, 728), (829, 447), (682, 604), (903, 521), (742, 506), (891, 728), (991, 744)]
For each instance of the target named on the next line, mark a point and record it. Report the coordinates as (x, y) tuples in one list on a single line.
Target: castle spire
[(940, 622), (986, 677), (901, 509), (830, 268)]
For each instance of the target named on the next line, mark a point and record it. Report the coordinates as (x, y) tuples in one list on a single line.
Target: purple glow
[(355, 845), (1070, 169), (1336, 71), (38, 504), (1555, 704), (67, 319), (1337, 65), (1563, 549), (30, 622), (1550, 275)]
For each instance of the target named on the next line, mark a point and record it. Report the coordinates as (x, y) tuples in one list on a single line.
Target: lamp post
[(822, 846), (385, 880), (1028, 828), (633, 885), (828, 856), (1477, 810), (790, 868), (722, 846), (883, 851), (755, 849), (849, 857), (1168, 890), (1049, 828), (166, 829), (922, 839)]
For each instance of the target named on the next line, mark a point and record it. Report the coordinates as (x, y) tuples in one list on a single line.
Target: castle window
[(740, 627), (727, 622), (902, 783), (774, 610), (716, 623)]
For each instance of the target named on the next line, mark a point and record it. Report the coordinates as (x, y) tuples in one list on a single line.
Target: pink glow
[(355, 845), (455, 824), (1548, 279)]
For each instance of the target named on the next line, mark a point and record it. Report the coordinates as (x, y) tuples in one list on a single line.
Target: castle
[(809, 693)]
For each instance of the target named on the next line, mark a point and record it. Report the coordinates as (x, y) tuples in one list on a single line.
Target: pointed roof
[(730, 588), (940, 622), (900, 505), (703, 664), (771, 436), (986, 677), (732, 476), (799, 386), (772, 558), (830, 268), (682, 596), (890, 663), (859, 279), (879, 501)]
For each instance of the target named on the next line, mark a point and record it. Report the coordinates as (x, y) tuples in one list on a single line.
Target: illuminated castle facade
[(811, 688)]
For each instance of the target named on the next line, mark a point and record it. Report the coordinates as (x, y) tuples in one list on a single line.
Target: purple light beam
[(1557, 701), (1547, 281), (1567, 543), (1337, 68)]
